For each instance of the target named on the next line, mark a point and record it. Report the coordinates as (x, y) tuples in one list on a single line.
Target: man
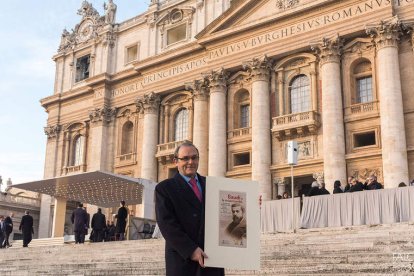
[(121, 220), (79, 220), (8, 223), (372, 183), (2, 231), (237, 228), (323, 190), (98, 225), (356, 186), (26, 226), (179, 206)]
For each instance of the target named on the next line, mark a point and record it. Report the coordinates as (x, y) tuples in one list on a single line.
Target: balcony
[(126, 159), (294, 125), (165, 152), (240, 134), (356, 111), (74, 169)]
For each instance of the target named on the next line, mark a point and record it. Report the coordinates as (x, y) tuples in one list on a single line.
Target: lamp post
[(292, 160)]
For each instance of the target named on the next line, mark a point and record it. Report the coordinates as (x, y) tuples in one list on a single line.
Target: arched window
[(77, 154), (127, 138), (181, 125), (300, 94), (363, 82)]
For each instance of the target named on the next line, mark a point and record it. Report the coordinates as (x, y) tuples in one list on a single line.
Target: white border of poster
[(232, 242)]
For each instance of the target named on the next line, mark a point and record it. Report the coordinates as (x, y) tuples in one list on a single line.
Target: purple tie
[(193, 183)]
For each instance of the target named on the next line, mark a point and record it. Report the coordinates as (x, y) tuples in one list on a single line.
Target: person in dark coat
[(80, 223), (356, 186), (2, 230), (314, 191), (98, 226), (337, 187), (323, 190), (8, 223), (372, 184), (180, 211), (121, 220), (26, 226)]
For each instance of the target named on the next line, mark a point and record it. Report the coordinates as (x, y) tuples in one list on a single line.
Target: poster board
[(232, 224)]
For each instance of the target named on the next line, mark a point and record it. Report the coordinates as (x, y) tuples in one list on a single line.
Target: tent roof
[(98, 188)]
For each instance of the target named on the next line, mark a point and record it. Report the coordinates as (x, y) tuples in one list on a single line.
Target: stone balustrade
[(240, 134), (126, 159), (299, 123)]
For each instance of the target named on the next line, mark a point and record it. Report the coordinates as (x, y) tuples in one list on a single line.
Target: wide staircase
[(365, 250)]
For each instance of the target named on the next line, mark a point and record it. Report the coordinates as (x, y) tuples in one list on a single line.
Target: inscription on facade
[(322, 21)]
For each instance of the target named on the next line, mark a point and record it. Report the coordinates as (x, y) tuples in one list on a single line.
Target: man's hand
[(198, 256)]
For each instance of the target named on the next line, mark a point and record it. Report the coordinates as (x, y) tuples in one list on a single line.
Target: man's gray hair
[(186, 143)]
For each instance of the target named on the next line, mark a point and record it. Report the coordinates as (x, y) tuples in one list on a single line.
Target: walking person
[(98, 226), (80, 223), (179, 206), (8, 223), (26, 226), (121, 220)]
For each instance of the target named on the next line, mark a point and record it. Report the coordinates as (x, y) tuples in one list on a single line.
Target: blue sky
[(30, 35)]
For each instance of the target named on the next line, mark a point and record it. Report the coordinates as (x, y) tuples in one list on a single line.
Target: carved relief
[(104, 114), (319, 177), (363, 174), (52, 131), (149, 103), (304, 150), (286, 4)]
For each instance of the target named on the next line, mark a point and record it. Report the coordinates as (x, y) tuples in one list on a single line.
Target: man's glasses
[(187, 158)]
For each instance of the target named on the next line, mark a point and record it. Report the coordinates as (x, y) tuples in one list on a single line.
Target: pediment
[(252, 13)]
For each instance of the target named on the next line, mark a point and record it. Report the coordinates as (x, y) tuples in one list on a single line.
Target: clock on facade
[(85, 31)]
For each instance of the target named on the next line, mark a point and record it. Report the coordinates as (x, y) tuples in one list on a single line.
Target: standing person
[(121, 220), (337, 187), (2, 231), (26, 226), (179, 206), (88, 219), (323, 190), (8, 223), (80, 220), (314, 191), (98, 226)]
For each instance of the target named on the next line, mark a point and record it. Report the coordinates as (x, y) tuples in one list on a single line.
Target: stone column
[(149, 104), (217, 155), (101, 145), (59, 218), (200, 126), (329, 51), (259, 69), (393, 139), (51, 162)]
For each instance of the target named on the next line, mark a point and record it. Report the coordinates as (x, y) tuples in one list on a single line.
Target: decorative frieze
[(328, 49), (387, 33), (104, 114), (149, 103), (286, 4), (259, 68), (52, 131)]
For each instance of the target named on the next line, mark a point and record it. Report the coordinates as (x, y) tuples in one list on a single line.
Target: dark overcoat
[(180, 217), (79, 219)]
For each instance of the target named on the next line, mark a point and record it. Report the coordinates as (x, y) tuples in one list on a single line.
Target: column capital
[(328, 49), (52, 131), (104, 114), (149, 103), (199, 89), (258, 68), (217, 79), (386, 34)]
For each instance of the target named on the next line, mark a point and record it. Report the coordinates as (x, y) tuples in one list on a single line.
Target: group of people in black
[(353, 185), (6, 228), (102, 230)]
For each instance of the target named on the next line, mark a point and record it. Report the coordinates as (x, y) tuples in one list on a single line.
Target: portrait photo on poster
[(232, 219), (232, 224)]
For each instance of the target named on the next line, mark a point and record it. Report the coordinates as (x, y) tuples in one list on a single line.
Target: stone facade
[(239, 79)]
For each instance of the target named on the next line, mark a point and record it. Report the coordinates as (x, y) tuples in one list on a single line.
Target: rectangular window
[(364, 90), (364, 139), (176, 34), (82, 68), (131, 54), (241, 159), (244, 116)]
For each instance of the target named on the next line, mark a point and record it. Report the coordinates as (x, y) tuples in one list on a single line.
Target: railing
[(297, 119), (363, 107), (126, 159), (72, 169), (167, 148), (240, 132)]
